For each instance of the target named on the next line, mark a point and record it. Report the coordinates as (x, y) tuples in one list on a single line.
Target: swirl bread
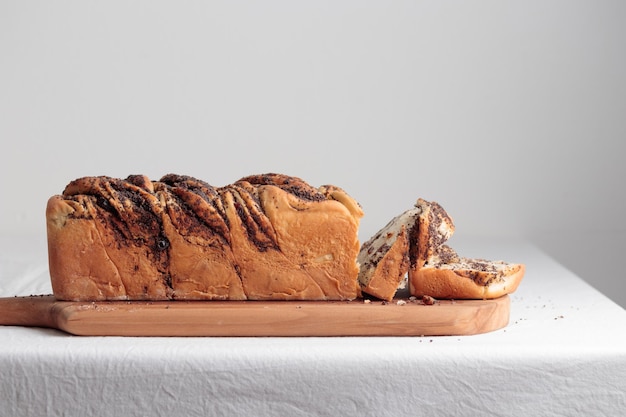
[(264, 237)]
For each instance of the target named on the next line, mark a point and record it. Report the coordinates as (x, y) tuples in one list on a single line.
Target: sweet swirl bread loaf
[(264, 237)]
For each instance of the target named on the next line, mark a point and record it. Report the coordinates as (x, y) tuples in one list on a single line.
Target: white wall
[(511, 114)]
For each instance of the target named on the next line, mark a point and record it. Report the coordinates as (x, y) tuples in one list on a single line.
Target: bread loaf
[(264, 237)]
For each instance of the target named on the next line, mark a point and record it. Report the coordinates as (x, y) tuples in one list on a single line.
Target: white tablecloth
[(563, 353)]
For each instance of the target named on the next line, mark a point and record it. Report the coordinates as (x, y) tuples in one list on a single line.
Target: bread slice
[(448, 276), (384, 258), (434, 228), (264, 237)]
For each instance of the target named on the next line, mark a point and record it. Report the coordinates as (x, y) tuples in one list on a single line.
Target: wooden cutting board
[(258, 318)]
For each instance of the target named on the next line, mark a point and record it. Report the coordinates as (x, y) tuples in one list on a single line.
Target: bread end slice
[(466, 278)]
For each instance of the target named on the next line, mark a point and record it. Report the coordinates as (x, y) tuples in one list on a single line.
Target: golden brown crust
[(332, 192), (464, 283), (264, 237)]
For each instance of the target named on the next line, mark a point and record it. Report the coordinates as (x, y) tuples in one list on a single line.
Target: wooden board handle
[(33, 311)]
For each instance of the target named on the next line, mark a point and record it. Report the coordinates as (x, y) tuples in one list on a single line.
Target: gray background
[(509, 114)]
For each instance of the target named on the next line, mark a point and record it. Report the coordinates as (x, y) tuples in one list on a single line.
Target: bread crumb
[(401, 302), (428, 300), (367, 301)]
